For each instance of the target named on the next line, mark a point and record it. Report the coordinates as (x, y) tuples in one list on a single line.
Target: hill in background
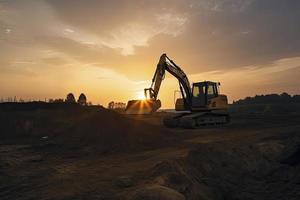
[(269, 99), (267, 104)]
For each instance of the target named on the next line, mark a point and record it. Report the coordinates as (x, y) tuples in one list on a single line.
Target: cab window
[(198, 91), (211, 91), (195, 91)]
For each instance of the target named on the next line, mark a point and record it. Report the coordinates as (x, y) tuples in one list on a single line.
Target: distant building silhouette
[(70, 98), (82, 100)]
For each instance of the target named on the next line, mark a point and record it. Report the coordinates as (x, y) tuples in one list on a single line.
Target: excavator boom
[(166, 64), (151, 104)]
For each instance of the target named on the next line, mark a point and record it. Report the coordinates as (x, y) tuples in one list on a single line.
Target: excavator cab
[(203, 92), (205, 96)]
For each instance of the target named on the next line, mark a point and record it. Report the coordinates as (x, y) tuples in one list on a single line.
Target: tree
[(111, 105), (82, 100), (285, 97), (70, 98)]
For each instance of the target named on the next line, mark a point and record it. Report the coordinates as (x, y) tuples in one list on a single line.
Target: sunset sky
[(109, 49)]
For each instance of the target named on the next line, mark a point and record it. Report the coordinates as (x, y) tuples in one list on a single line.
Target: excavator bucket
[(142, 106)]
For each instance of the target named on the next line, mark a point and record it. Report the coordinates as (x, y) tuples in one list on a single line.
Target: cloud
[(128, 36), (207, 35), (277, 77), (18, 68), (131, 24)]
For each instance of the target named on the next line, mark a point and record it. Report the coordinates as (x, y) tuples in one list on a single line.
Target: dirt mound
[(268, 169), (250, 171), (82, 128), (110, 130)]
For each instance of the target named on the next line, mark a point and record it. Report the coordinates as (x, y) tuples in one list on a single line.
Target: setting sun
[(140, 95)]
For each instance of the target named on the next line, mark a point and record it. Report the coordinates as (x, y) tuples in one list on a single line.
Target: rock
[(124, 181), (270, 150)]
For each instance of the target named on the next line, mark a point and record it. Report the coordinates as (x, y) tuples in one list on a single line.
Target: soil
[(94, 153)]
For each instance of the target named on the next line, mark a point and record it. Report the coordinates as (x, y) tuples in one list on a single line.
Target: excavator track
[(196, 120)]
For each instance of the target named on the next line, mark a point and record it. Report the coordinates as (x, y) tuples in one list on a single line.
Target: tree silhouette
[(70, 98), (111, 105), (82, 100), (269, 99)]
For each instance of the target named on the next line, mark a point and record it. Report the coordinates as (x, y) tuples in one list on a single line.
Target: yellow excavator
[(201, 104)]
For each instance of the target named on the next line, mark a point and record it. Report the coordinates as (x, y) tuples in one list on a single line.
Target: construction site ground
[(253, 157)]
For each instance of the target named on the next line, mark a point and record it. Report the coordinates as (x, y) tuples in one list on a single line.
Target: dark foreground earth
[(80, 153)]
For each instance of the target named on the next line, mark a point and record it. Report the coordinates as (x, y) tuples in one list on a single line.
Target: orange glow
[(140, 95), (115, 61)]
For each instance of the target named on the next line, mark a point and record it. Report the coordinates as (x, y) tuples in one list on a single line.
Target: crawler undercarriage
[(196, 120)]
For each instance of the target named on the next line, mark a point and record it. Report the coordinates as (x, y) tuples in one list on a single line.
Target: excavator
[(200, 104)]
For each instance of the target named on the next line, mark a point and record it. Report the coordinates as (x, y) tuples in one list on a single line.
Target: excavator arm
[(166, 64), (151, 103)]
